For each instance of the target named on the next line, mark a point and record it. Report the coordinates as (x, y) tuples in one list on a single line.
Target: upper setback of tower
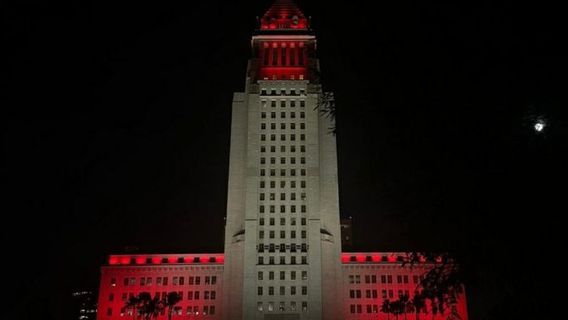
[(283, 46)]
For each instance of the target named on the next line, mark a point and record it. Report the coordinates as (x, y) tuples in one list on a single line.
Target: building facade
[(282, 256)]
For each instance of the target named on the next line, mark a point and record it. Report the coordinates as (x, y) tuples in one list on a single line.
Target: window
[(292, 275), (271, 234), (304, 290), (282, 290), (261, 209), (113, 282), (293, 304), (197, 280), (270, 291), (283, 105), (259, 291), (196, 295), (303, 221), (259, 306), (293, 291), (263, 115), (302, 102), (304, 275), (271, 306), (304, 306), (111, 297), (261, 234)]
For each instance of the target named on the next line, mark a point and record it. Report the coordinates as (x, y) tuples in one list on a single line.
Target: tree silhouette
[(171, 300), (386, 308), (133, 303)]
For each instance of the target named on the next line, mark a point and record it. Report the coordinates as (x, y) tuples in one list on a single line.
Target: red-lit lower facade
[(368, 279)]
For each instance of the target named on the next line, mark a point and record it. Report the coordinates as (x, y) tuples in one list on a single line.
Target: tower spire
[(284, 15)]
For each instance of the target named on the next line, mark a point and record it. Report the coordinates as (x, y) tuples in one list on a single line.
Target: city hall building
[(283, 257)]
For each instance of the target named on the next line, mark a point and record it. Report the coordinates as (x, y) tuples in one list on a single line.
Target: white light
[(539, 126)]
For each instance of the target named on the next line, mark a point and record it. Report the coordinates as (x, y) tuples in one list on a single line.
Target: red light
[(188, 259), (220, 259), (204, 259), (344, 258), (392, 258), (140, 260), (125, 260), (172, 260), (376, 258), (360, 258), (113, 260), (156, 260)]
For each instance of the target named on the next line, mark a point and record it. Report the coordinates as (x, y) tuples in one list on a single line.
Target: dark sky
[(116, 119)]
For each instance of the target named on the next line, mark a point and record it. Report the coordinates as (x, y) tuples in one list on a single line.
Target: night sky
[(116, 128)]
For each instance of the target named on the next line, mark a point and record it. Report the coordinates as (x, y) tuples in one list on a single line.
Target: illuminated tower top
[(284, 15), (283, 46)]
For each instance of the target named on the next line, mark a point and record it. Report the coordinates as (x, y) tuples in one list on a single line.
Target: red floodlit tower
[(283, 45)]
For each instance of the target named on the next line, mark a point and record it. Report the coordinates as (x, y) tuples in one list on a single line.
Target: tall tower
[(282, 236)]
